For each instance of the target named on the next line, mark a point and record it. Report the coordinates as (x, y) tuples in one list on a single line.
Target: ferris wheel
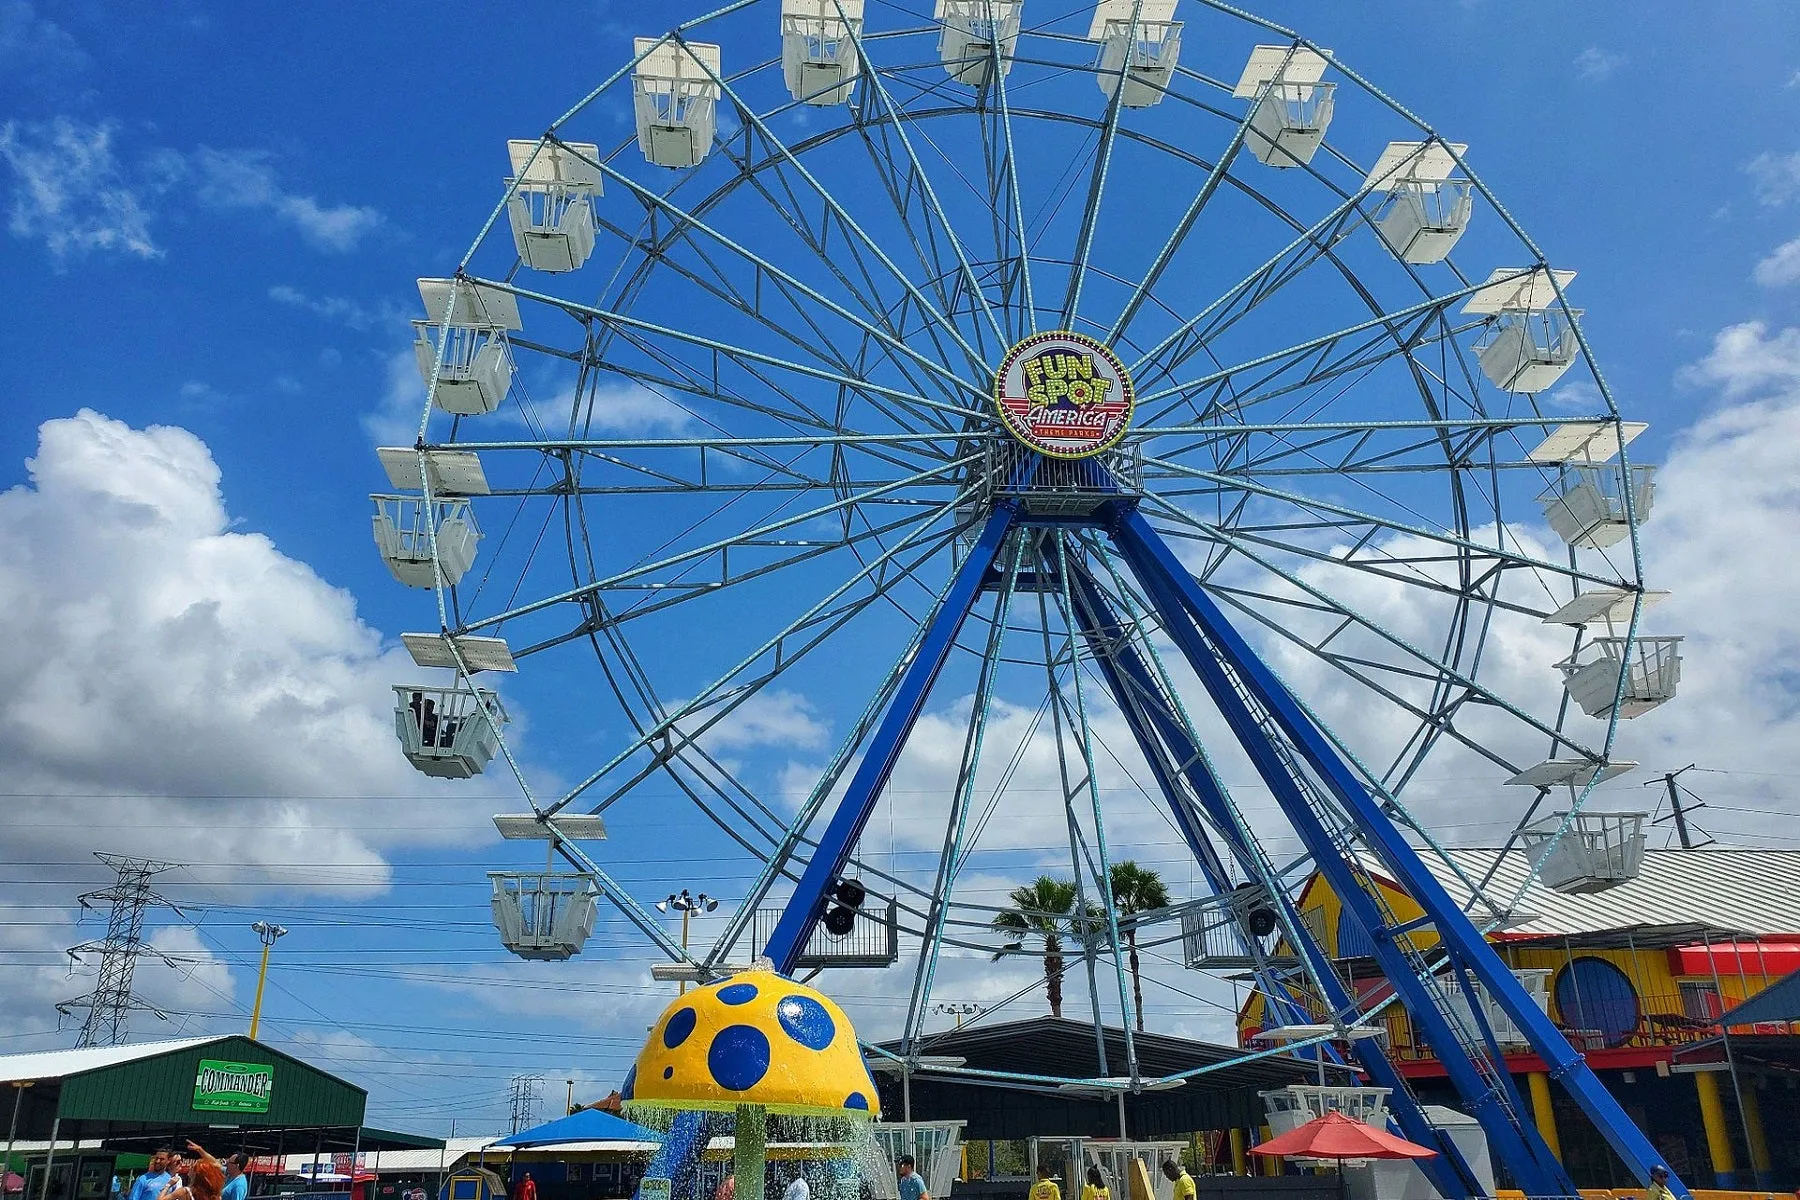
[(1036, 401)]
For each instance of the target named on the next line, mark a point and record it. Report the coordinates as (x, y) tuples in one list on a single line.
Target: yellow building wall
[(1649, 971)]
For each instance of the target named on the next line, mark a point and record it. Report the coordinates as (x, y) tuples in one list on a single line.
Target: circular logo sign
[(1064, 395)]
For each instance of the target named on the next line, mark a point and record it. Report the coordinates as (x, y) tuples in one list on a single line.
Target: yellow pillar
[(1544, 1111), (1753, 1132), (1239, 1153), (1270, 1165), (1712, 1116)]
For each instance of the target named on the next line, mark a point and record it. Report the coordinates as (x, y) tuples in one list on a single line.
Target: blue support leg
[(805, 907), (1138, 697), (1211, 645)]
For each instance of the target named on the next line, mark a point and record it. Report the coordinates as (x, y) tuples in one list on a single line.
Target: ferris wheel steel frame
[(1329, 796)]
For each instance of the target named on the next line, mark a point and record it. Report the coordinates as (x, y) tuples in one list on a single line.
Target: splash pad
[(769, 1063)]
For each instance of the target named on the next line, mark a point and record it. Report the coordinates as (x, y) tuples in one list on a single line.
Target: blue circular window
[(1596, 998)]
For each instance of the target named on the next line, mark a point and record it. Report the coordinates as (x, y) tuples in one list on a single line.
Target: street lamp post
[(687, 905), (957, 1009), (266, 932)]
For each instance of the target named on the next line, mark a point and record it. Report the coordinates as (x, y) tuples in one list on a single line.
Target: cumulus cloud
[(34, 47), (1781, 267), (75, 191), (351, 313), (1775, 178), (181, 689)]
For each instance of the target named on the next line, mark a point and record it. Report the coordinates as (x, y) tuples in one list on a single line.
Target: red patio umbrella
[(1336, 1136)]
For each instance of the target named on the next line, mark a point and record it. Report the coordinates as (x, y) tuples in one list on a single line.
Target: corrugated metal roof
[(1745, 891), (60, 1064)]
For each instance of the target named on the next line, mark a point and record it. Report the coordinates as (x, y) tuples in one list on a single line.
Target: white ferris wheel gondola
[(818, 49), (548, 915), (675, 89), (1426, 211), (1140, 46), (972, 33), (551, 207), (461, 344), (1293, 107), (1530, 339)]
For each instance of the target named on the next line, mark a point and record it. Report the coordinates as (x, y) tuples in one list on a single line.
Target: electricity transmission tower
[(110, 1004), (524, 1101)]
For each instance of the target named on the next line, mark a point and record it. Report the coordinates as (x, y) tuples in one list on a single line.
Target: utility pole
[(111, 1003), (266, 932), (1676, 812), (524, 1101)]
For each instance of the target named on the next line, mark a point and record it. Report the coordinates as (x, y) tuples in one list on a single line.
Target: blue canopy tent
[(1780, 1001), (588, 1125)]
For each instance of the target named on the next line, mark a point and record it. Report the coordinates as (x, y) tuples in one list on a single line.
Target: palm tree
[(1136, 889), (1045, 908)]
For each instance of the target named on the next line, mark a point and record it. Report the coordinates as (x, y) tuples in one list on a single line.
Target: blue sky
[(214, 219)]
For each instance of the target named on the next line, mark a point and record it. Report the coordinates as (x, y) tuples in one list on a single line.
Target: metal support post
[(803, 910), (1211, 645), (1136, 694)]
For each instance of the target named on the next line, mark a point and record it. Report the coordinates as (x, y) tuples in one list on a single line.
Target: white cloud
[(770, 718), (35, 46), (74, 192), (244, 179), (70, 192), (182, 689), (1746, 359), (339, 309), (1596, 64), (1781, 267), (1775, 178)]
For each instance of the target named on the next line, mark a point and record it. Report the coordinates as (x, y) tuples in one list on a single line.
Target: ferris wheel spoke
[(896, 120), (961, 799), (819, 347), (792, 288), (779, 653), (644, 571), (749, 116), (1366, 525), (740, 356), (1317, 595), (1090, 217)]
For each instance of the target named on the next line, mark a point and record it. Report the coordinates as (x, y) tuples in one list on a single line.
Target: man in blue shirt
[(237, 1185), (911, 1186), (151, 1183)]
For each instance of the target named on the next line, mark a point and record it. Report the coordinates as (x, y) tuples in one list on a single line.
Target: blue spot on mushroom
[(668, 1072), (857, 1100), (738, 1057), (737, 993), (630, 1084), (806, 1021), (681, 1023)]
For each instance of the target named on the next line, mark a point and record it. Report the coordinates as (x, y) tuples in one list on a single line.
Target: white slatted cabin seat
[(469, 322), (1426, 211), (1599, 851), (1293, 108), (970, 31), (551, 208), (818, 49), (675, 94), (1586, 505), (448, 732), (1530, 337), (544, 916), (403, 534), (1651, 670), (1145, 52)]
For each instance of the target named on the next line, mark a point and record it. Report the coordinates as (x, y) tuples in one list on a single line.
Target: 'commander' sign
[(233, 1086), (1064, 395)]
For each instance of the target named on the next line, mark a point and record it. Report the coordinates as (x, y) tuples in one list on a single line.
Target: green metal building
[(76, 1118)]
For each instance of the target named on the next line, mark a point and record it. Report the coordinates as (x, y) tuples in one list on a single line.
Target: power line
[(1677, 812)]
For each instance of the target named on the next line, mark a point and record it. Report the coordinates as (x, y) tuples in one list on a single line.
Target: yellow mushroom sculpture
[(756, 1038)]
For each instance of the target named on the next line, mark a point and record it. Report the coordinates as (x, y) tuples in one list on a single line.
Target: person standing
[(237, 1184), (1045, 1188), (1095, 1188), (1659, 1184), (911, 1186), (799, 1189), (527, 1189), (150, 1184), (1178, 1175)]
